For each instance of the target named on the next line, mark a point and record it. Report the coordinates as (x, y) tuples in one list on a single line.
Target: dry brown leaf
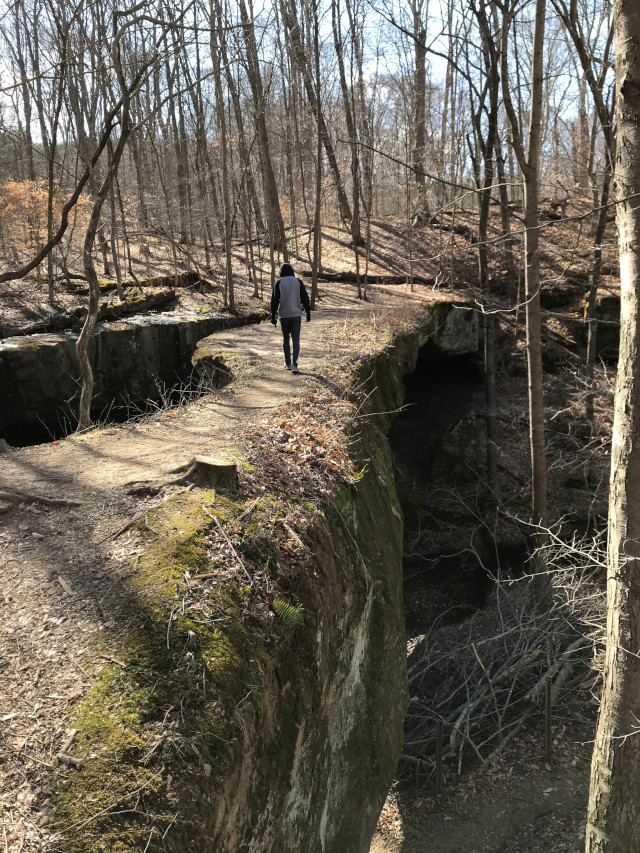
[(65, 586)]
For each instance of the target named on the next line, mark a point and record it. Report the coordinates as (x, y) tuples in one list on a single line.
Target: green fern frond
[(289, 614)]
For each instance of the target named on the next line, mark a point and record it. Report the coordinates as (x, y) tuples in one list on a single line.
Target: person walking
[(288, 299)]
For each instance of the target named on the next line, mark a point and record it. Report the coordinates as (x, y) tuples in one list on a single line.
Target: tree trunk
[(229, 297), (276, 227), (534, 352), (530, 165), (317, 219), (289, 16), (613, 822), (592, 304), (237, 111), (419, 111), (583, 142), (350, 120), (486, 133), (114, 246), (596, 81), (491, 404), (24, 84), (505, 230), (84, 338)]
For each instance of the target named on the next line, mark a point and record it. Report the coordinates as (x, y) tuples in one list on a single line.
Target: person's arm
[(275, 301), (304, 298)]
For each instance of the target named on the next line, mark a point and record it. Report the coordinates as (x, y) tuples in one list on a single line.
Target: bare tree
[(529, 161), (275, 220), (127, 89), (613, 822), (229, 295), (595, 68), (349, 114), (299, 55), (485, 130)]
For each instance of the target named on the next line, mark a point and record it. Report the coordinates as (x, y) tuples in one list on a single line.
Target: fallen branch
[(28, 497), (254, 503), (120, 663), (350, 277), (65, 586), (479, 683), (299, 543), (230, 544), (69, 760), (66, 746)]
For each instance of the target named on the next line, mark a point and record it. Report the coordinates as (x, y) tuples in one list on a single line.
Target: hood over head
[(285, 270)]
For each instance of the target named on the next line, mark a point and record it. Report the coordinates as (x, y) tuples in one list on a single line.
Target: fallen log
[(350, 277), (132, 304), (454, 227), (57, 323), (184, 279)]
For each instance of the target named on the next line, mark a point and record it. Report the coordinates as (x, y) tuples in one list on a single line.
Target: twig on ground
[(230, 544), (69, 760)]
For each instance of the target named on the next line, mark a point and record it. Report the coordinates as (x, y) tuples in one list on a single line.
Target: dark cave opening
[(119, 410), (438, 447)]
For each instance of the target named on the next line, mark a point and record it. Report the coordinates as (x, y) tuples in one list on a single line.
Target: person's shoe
[(288, 366), (294, 368)]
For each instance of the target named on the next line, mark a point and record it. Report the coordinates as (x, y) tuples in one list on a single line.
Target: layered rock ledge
[(134, 361), (257, 688)]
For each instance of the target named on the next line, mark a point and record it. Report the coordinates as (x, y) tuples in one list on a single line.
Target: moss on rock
[(227, 731), (170, 705)]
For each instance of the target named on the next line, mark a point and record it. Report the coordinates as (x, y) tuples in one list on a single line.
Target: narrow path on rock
[(58, 563), (105, 459)]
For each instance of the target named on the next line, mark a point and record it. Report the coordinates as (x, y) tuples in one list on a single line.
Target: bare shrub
[(475, 684)]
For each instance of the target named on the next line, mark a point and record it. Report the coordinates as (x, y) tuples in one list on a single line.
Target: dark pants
[(291, 328)]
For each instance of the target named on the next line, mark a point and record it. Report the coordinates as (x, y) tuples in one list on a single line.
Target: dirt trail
[(515, 807), (58, 563), (100, 461)]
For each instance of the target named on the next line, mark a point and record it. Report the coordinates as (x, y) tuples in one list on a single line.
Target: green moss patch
[(188, 660)]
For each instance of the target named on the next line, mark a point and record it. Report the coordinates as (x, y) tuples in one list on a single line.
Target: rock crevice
[(291, 728)]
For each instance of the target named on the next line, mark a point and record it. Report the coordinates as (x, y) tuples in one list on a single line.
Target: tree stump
[(209, 472)]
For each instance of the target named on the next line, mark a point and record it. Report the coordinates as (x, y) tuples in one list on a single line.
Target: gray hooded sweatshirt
[(289, 295)]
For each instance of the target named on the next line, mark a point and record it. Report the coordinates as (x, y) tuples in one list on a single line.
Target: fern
[(289, 614)]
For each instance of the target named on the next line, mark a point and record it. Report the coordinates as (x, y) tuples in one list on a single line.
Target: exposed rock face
[(315, 766), (301, 727), (338, 727), (133, 361), (451, 327)]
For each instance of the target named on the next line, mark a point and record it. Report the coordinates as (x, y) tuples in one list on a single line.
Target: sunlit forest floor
[(444, 252)]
